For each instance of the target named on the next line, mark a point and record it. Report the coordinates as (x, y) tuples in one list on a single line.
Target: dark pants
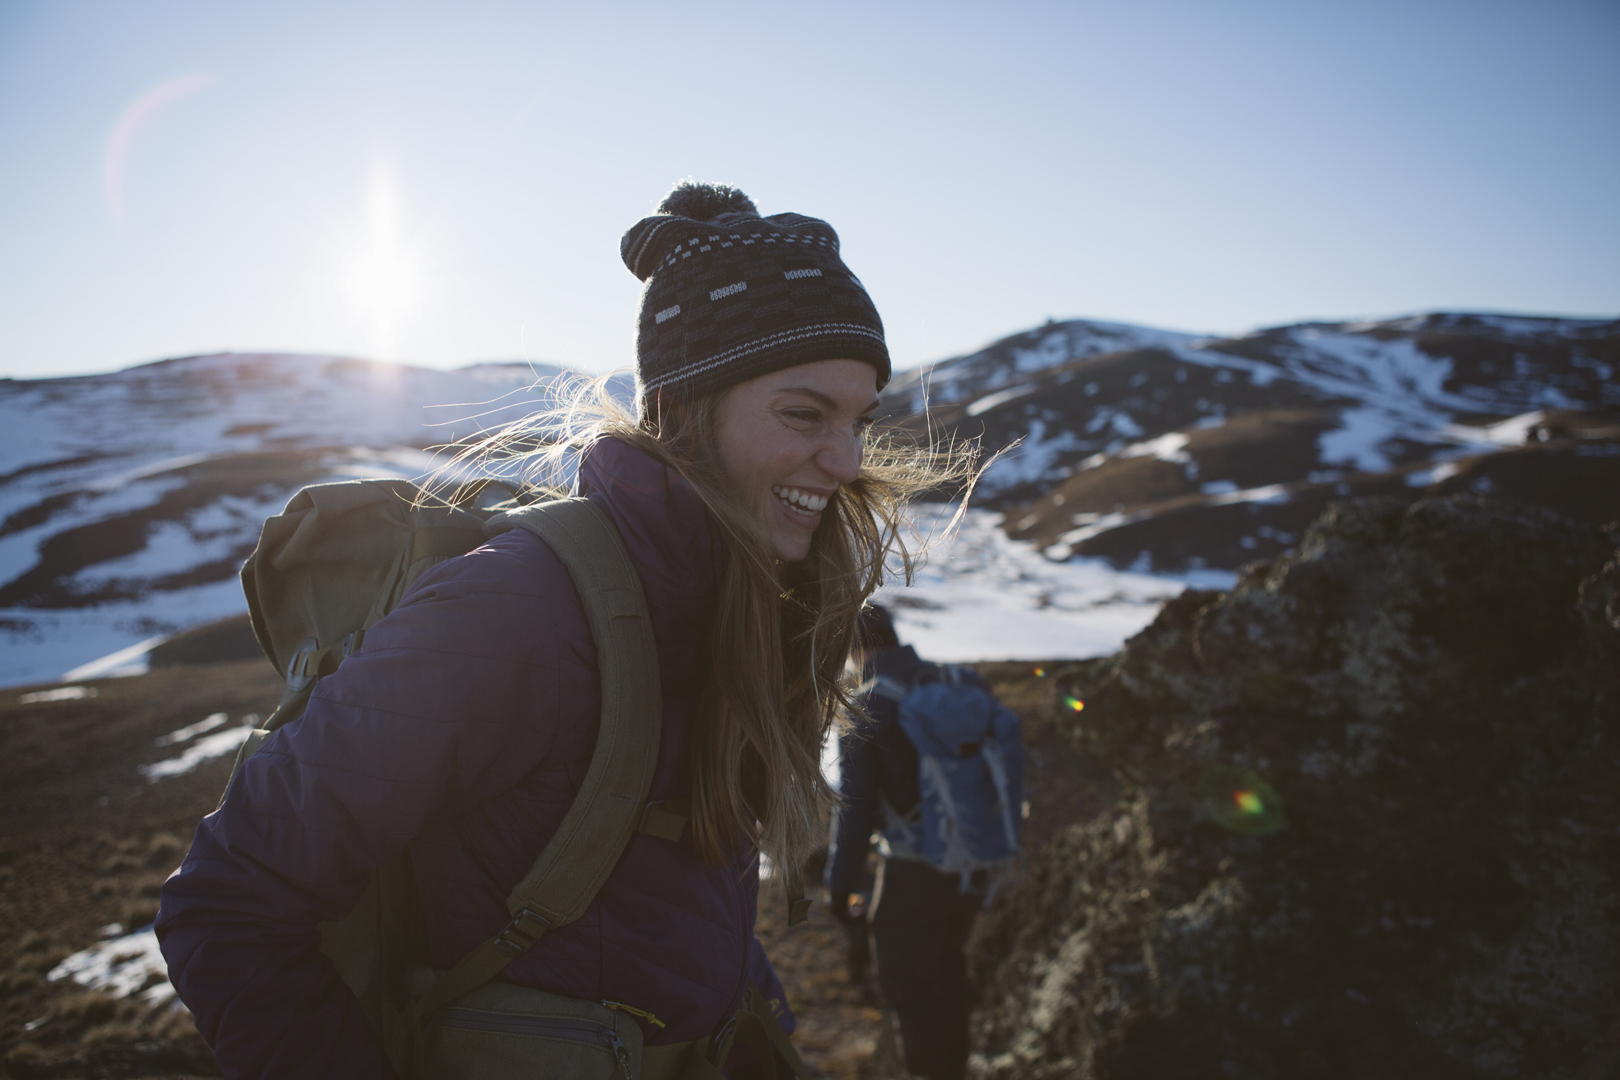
[(920, 923)]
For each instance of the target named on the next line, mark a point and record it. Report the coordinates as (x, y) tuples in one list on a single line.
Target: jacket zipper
[(738, 903), (640, 1014), (552, 1026)]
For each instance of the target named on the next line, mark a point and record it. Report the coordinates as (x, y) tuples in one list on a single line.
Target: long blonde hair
[(782, 632)]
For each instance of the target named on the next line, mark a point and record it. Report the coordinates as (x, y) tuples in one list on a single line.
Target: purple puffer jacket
[(463, 729)]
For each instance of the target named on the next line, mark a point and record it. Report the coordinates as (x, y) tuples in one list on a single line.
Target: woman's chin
[(791, 531), (792, 543), (792, 551)]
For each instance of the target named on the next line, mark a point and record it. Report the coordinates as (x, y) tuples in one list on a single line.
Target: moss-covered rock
[(1371, 825)]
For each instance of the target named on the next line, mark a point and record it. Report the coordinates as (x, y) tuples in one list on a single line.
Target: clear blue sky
[(444, 183)]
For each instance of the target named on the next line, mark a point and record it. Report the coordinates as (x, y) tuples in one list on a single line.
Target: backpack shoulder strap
[(608, 810), (887, 686), (586, 847)]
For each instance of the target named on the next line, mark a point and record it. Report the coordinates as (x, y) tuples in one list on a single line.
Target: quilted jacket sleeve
[(858, 816), (437, 710)]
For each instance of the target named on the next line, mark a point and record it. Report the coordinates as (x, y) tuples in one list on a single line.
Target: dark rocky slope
[(1370, 824)]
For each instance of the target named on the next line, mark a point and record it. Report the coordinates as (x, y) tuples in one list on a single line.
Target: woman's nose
[(840, 458)]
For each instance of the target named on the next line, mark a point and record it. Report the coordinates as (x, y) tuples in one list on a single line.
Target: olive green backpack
[(338, 559)]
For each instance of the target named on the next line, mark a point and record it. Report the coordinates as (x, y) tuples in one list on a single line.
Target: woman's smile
[(803, 501)]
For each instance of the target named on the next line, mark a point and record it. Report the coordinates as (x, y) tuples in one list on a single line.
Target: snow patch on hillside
[(1206, 354), (125, 965), (1029, 461), (159, 417), (112, 639), (1171, 448), (1359, 439), (990, 401), (19, 551), (983, 596), (1353, 365), (206, 749), (1014, 360), (1401, 390), (1513, 431), (42, 645)]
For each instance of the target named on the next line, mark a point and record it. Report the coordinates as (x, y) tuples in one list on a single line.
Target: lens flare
[(1235, 798), (131, 122), (1040, 673), (1074, 703)]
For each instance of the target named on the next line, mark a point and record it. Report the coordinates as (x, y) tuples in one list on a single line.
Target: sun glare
[(383, 272)]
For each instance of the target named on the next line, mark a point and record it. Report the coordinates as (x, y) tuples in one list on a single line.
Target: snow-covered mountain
[(128, 501), (1160, 449)]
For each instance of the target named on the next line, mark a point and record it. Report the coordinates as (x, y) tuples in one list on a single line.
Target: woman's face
[(789, 438)]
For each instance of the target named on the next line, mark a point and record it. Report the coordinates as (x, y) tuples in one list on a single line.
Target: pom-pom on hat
[(731, 295)]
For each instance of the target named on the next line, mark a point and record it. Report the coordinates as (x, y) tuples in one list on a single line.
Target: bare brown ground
[(85, 842)]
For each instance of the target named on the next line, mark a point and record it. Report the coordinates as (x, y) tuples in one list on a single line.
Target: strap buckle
[(350, 645), (518, 938), (799, 910), (665, 818), (720, 1042), (301, 671), (798, 903)]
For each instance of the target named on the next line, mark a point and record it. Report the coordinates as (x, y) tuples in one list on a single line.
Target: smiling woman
[(758, 512), (759, 361)]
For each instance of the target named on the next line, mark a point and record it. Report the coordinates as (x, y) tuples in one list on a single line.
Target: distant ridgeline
[(1165, 450), (128, 501)]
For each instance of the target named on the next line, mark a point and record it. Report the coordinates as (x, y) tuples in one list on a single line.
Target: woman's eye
[(803, 416)]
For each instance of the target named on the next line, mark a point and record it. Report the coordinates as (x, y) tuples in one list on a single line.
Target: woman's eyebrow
[(815, 395), (823, 399)]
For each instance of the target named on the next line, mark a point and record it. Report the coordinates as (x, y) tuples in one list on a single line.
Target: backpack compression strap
[(887, 686), (611, 804)]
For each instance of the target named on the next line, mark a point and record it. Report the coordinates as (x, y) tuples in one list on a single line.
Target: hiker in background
[(757, 514), (935, 766)]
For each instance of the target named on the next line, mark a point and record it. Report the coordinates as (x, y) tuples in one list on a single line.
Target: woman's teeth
[(802, 501)]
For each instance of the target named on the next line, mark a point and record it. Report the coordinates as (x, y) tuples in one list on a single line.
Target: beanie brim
[(777, 352)]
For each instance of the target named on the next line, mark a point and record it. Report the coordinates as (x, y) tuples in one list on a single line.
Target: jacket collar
[(665, 526)]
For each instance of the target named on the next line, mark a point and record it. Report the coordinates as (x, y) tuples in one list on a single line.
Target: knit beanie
[(731, 295)]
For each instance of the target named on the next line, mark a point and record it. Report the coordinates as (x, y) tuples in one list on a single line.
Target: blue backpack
[(970, 772)]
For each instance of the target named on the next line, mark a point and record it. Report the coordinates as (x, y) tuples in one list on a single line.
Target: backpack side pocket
[(505, 1032)]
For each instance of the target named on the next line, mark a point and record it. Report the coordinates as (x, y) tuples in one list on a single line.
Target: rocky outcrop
[(1371, 821)]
